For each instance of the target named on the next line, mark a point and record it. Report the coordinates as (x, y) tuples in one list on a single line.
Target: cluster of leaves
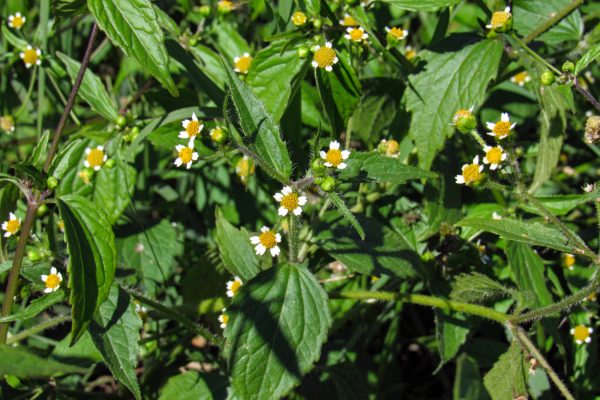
[(147, 249)]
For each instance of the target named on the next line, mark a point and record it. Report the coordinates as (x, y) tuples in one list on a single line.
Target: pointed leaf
[(528, 270), (113, 189), (381, 168), (36, 307), (420, 5), (506, 379), (235, 249), (475, 287), (338, 202), (19, 362)]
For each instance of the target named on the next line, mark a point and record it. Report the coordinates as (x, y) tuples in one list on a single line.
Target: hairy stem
[(51, 323), (556, 17), (586, 94), (533, 54)]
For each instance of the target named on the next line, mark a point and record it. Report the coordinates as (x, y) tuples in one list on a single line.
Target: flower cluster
[(185, 153)]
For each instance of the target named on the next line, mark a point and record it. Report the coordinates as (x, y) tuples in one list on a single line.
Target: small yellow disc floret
[(267, 239)]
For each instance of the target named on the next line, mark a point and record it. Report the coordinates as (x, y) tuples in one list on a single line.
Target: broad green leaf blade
[(113, 189), (507, 378), (451, 333), (235, 249), (533, 233), (38, 155), (420, 5), (458, 72), (528, 270), (587, 58), (338, 202), (278, 322), (37, 306), (13, 39), (529, 14), (92, 90), (67, 8), (467, 381), (561, 204), (274, 71), (67, 158), (229, 41), (363, 165), (383, 251), (133, 26), (19, 362), (475, 288), (92, 258), (116, 332), (192, 385), (259, 127)]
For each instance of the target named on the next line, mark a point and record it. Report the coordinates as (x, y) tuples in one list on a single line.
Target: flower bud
[(299, 18), (303, 52), (219, 135), (51, 182), (34, 255), (464, 120), (121, 121), (568, 67), (204, 10), (592, 129), (328, 184), (317, 168), (317, 23), (41, 210), (547, 78), (110, 163)]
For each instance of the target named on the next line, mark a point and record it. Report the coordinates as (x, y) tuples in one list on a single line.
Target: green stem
[(29, 91), (524, 340), (535, 55), (478, 138), (44, 16), (292, 238), (38, 328), (556, 17), (424, 300)]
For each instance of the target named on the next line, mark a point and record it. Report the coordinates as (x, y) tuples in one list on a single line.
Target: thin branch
[(556, 17)]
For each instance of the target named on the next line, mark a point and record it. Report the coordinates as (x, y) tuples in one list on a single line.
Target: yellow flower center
[(521, 77), (192, 128), (224, 319), (17, 22), (581, 332), (410, 54), (7, 123), (225, 5), (499, 18), (494, 155), (392, 147), (267, 239), (568, 260), (30, 56), (244, 168), (471, 173), (356, 35), (235, 286), (502, 128), (53, 281), (396, 32), (290, 201), (334, 156), (243, 64), (13, 226), (215, 133), (349, 21), (84, 176), (95, 158), (324, 57), (185, 154), (299, 18)]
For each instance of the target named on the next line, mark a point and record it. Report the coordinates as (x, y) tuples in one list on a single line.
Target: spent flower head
[(471, 173), (324, 57), (592, 129), (245, 168), (266, 240), (16, 20), (233, 286), (52, 281), (501, 129), (185, 155), (242, 63), (31, 56), (95, 158), (582, 334), (464, 120), (389, 148), (494, 156), (12, 226), (289, 202), (192, 128)]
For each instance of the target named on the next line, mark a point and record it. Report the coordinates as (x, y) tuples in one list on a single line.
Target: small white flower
[(471, 173), (397, 32), (357, 34), (502, 128), (233, 286), (289, 202), (335, 157), (582, 333), (223, 319), (31, 56), (242, 64), (192, 128), (267, 239), (16, 21), (52, 281), (185, 154), (95, 158), (494, 156), (324, 57), (521, 78), (12, 226)]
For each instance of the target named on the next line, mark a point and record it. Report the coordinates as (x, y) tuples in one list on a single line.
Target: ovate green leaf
[(528, 270), (451, 331), (378, 167), (37, 306), (421, 5), (19, 362), (235, 249), (467, 381), (475, 287), (587, 58), (529, 14), (506, 379), (113, 188), (192, 385)]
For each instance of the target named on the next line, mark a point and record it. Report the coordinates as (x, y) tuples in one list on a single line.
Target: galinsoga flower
[(266, 240), (7, 123), (494, 156), (471, 173), (501, 21), (223, 319), (348, 21), (464, 120), (52, 281), (462, 113), (225, 6), (298, 18), (233, 286), (334, 158), (582, 333), (16, 21), (192, 128), (244, 168), (60, 224), (502, 128), (396, 32), (31, 56), (289, 202), (324, 57), (356, 34), (521, 78), (185, 155), (409, 53), (95, 158), (390, 148), (12, 226), (242, 63), (568, 261)]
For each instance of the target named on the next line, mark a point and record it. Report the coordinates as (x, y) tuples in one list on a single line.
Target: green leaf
[(275, 69), (338, 202), (467, 381), (67, 8), (113, 188), (67, 158), (235, 249), (229, 41), (116, 332), (38, 155), (420, 5), (475, 288), (561, 204), (210, 63), (529, 14), (506, 380), (37, 306), (363, 165), (587, 58), (383, 251), (92, 89), (259, 127), (533, 233), (278, 322), (458, 77), (192, 385), (83, 353), (13, 39), (133, 26), (528, 270), (19, 362), (92, 258), (452, 330)]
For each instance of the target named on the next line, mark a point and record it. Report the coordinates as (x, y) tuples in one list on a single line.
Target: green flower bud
[(547, 78), (219, 135), (42, 210), (204, 10), (501, 21), (317, 23), (568, 67), (34, 255), (317, 167), (303, 52), (464, 120), (51, 182), (121, 121), (328, 184), (25, 291), (110, 163)]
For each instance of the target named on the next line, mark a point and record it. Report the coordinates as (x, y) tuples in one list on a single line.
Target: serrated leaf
[(452, 330), (116, 333), (67, 8), (456, 73), (19, 362), (363, 165), (533, 233), (528, 270), (345, 212), (258, 127), (92, 258), (235, 249), (475, 287), (467, 381), (192, 385), (37, 306), (38, 155), (506, 379), (420, 5), (229, 41), (67, 158), (587, 58), (92, 89), (113, 188), (278, 322), (529, 14), (133, 26), (561, 204)]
